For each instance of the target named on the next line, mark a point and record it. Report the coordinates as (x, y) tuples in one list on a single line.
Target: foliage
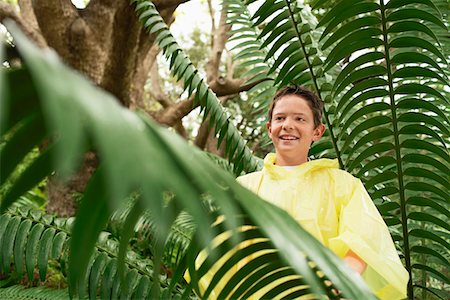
[(183, 69), (19, 292), (383, 73), (35, 240), (58, 107), (386, 110)]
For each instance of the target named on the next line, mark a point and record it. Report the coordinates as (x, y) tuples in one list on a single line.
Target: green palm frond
[(265, 267), (182, 68), (387, 108), (392, 115), (19, 292), (178, 238), (79, 116), (251, 53), (31, 240), (292, 39)]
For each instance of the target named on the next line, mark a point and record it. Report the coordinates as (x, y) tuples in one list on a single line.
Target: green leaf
[(427, 234), (108, 278), (441, 294), (420, 172), (414, 13), (420, 216), (29, 178), (57, 244), (344, 11), (371, 137), (420, 144), (366, 124), (409, 42), (23, 106), (416, 58), (354, 64), (429, 203), (415, 88), (360, 99), (142, 288), (414, 103), (8, 238), (19, 246), (416, 129), (380, 178), (281, 41), (337, 54), (274, 24), (415, 158), (426, 187), (404, 26), (32, 247), (438, 275), (28, 136), (86, 230), (267, 9), (44, 251), (375, 149), (96, 272), (379, 162), (280, 31), (349, 27)]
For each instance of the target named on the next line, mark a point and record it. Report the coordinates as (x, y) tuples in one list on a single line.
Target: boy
[(329, 203)]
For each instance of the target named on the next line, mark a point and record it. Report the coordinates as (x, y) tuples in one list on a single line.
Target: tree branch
[(213, 22), (175, 112), (7, 11), (220, 39), (156, 91)]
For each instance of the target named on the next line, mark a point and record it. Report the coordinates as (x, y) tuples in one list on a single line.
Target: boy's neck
[(290, 161)]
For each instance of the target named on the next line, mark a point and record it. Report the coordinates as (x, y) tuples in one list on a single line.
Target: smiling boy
[(329, 203)]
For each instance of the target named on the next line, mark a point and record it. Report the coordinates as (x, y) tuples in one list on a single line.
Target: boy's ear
[(318, 132), (269, 129)]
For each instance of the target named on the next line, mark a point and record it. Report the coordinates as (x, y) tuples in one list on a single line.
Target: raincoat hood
[(279, 172)]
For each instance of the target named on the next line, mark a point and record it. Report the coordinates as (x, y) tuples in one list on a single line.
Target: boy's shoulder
[(330, 168), (249, 176), (250, 180)]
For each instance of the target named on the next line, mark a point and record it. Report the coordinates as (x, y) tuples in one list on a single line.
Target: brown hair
[(314, 102)]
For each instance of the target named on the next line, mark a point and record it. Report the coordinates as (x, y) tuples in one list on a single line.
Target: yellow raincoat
[(335, 208)]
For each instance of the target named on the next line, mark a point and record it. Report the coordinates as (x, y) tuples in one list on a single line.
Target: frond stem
[(398, 156), (316, 86)]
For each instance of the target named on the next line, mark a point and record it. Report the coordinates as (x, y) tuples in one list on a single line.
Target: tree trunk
[(103, 41), (106, 43)]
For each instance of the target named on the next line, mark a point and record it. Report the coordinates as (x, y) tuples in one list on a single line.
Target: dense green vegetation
[(383, 73)]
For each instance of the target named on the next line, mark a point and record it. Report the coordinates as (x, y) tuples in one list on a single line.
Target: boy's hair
[(314, 102)]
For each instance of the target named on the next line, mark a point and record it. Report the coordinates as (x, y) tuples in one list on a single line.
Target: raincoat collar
[(279, 172)]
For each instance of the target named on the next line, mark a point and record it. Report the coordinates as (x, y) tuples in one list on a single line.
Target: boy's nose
[(287, 124)]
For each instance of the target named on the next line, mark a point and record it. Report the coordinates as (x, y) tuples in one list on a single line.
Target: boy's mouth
[(288, 138)]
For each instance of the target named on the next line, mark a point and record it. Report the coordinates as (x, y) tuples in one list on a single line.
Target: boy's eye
[(279, 118)]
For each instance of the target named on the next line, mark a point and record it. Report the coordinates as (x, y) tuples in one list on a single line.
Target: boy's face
[(292, 129)]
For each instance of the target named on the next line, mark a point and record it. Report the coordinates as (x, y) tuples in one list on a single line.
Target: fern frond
[(27, 229), (291, 35), (159, 162), (236, 150), (20, 292), (251, 54), (392, 113)]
